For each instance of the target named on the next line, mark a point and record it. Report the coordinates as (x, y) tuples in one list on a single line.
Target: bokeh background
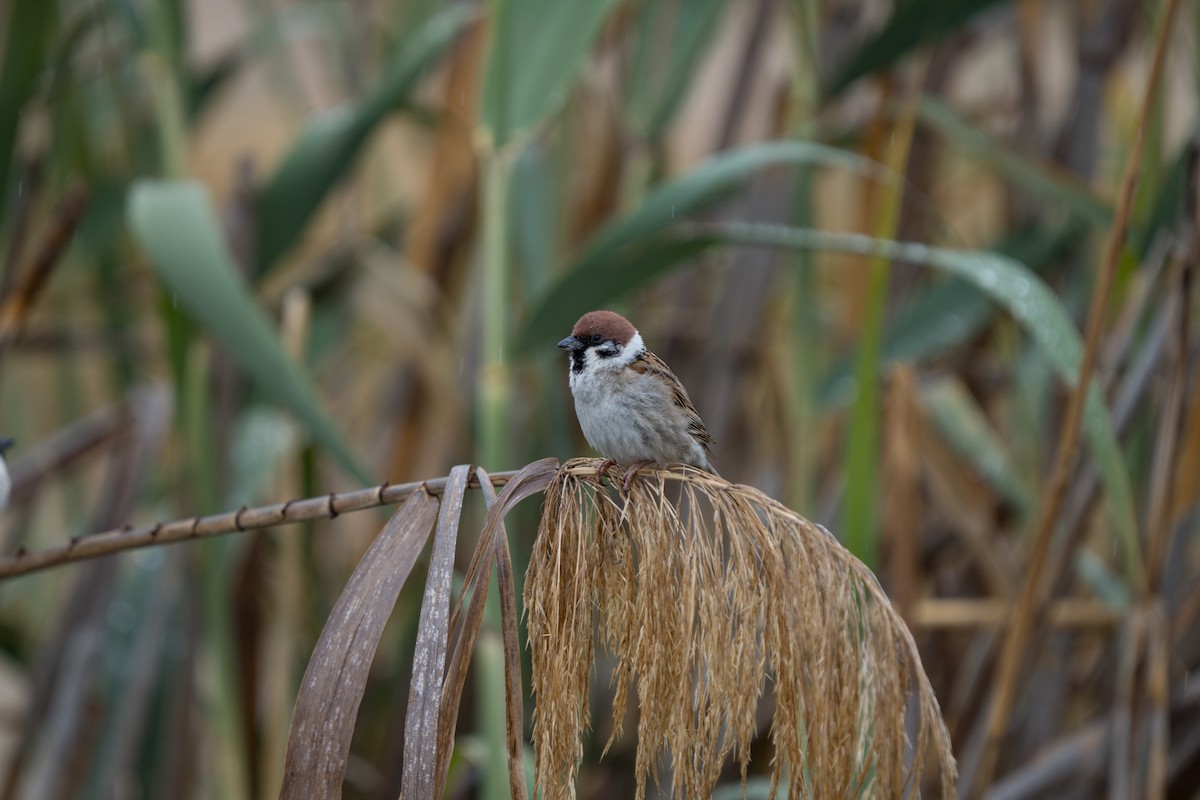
[(257, 249)]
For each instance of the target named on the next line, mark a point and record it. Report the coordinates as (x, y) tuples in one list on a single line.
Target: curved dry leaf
[(494, 542), (530, 480), (326, 708), (429, 656), (464, 635), (513, 703)]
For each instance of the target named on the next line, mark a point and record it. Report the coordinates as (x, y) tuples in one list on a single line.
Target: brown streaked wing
[(650, 364)]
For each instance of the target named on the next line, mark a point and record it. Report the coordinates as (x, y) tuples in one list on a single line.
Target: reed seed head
[(710, 594)]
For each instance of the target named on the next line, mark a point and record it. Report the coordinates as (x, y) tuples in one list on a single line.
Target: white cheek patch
[(591, 360), (634, 348)]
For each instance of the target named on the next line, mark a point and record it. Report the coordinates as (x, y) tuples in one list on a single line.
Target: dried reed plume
[(704, 593)]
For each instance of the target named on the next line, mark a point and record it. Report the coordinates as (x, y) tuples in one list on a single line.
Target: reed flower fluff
[(710, 595)]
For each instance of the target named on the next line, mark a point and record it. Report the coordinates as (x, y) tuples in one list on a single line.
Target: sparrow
[(631, 407)]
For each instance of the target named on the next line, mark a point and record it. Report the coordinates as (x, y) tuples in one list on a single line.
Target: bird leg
[(603, 467), (632, 472)]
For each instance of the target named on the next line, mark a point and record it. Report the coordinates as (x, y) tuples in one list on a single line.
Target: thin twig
[(1159, 524), (246, 519), (18, 303), (82, 437), (1086, 487), (1156, 682), (932, 614), (1120, 757), (1020, 633), (1075, 760), (902, 503)]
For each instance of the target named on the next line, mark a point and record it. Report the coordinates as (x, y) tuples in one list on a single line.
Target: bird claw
[(632, 472), (603, 467)]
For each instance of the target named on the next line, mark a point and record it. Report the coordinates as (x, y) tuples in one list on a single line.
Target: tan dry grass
[(705, 593)]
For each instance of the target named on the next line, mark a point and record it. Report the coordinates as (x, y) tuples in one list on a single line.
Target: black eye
[(594, 339)]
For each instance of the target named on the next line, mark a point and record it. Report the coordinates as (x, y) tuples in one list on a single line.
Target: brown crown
[(607, 325)]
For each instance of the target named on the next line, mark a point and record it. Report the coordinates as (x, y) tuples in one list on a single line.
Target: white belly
[(634, 422)]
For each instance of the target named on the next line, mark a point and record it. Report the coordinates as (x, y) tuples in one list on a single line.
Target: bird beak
[(6, 443), (571, 343)]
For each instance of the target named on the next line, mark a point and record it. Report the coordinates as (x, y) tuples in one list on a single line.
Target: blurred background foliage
[(261, 249)]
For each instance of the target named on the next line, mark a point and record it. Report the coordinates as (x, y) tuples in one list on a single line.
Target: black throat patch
[(577, 361)]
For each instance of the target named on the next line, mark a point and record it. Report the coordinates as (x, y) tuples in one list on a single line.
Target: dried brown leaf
[(493, 544), (323, 722), (465, 631), (429, 656), (514, 712)]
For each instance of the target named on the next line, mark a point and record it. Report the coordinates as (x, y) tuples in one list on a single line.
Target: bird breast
[(627, 417)]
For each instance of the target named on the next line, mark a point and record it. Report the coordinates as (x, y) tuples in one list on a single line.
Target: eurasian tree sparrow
[(632, 408)]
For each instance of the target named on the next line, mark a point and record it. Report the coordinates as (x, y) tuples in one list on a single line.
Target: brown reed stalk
[(17, 303), (1026, 618), (245, 519), (705, 592)]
